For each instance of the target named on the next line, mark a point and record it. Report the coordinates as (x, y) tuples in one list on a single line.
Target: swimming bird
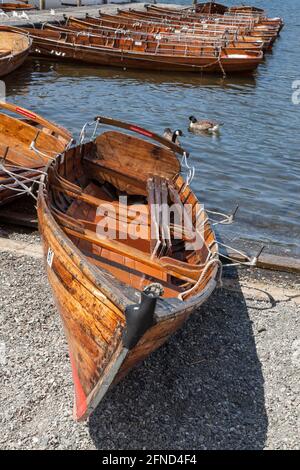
[(172, 136), (204, 126)]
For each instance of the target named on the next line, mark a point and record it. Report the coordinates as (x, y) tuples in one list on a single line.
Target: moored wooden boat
[(147, 55), (122, 293), (234, 32), (259, 31), (7, 7), (14, 50), (26, 146), (93, 25), (210, 8), (249, 23), (207, 8), (246, 9), (214, 10), (209, 42)]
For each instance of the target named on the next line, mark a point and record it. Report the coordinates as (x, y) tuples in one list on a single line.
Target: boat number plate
[(50, 257)]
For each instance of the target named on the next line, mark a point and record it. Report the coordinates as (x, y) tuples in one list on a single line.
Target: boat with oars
[(269, 31), (238, 14), (156, 54), (125, 271), (213, 39), (236, 32), (210, 43)]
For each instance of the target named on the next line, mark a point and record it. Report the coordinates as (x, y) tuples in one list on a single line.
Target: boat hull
[(8, 7), (134, 60), (15, 59), (94, 334), (100, 283)]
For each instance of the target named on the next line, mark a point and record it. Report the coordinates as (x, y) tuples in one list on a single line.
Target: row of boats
[(163, 39), (121, 294)]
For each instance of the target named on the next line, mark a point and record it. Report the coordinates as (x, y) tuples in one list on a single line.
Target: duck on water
[(204, 125), (172, 136)]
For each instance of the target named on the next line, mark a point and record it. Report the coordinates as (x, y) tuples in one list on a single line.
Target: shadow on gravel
[(204, 389)]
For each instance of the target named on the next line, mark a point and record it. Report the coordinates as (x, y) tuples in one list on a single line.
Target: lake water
[(255, 160)]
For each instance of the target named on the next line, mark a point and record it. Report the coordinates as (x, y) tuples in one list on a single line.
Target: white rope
[(191, 170), (82, 135), (195, 287), (38, 152), (25, 188), (250, 262)]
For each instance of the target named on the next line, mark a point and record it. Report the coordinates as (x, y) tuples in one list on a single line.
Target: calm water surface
[(254, 161)]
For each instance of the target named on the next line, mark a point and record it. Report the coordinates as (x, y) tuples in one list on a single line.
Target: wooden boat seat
[(116, 167), (90, 195), (83, 229), (124, 179), (175, 268), (76, 228), (94, 196), (118, 260)]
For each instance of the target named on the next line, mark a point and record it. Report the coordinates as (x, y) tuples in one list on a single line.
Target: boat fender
[(139, 318)]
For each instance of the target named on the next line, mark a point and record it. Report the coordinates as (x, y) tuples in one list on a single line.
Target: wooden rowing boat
[(216, 11), (122, 293), (26, 146), (91, 25), (252, 24), (246, 9), (248, 21), (208, 8), (114, 21), (14, 50), (208, 42), (7, 7), (267, 37), (147, 55)]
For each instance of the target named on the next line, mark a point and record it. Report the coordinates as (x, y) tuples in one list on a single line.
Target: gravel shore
[(228, 380)]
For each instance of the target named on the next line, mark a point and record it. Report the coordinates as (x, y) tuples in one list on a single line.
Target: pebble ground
[(228, 380)]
